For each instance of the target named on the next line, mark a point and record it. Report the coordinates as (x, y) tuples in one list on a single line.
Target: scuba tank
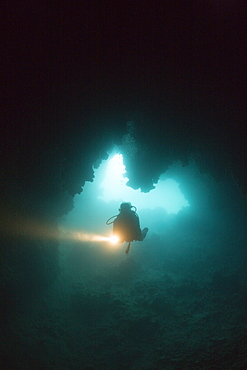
[(124, 226)]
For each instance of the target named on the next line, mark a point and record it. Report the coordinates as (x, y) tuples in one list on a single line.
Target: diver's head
[(125, 207)]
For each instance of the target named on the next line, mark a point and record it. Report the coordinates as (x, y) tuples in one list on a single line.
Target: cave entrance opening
[(166, 194), (101, 198)]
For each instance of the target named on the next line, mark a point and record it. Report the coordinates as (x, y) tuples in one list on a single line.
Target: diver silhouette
[(126, 225)]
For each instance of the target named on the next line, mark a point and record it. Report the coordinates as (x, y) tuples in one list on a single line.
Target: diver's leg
[(144, 233), (128, 248)]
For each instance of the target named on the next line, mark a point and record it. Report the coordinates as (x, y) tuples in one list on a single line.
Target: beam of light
[(166, 194), (114, 239), (27, 228), (86, 237)]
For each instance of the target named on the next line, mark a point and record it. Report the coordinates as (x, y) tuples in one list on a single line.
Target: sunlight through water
[(166, 194)]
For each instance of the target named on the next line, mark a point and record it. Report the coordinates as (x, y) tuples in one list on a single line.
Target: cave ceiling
[(78, 79)]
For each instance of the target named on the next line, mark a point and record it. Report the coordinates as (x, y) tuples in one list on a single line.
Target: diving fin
[(128, 248)]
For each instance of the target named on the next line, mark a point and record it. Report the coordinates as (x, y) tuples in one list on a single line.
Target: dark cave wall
[(214, 145), (79, 73), (42, 168), (73, 78)]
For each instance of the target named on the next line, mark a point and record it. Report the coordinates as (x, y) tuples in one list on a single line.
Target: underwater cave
[(123, 104)]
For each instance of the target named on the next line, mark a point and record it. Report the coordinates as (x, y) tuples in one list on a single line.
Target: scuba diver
[(126, 225)]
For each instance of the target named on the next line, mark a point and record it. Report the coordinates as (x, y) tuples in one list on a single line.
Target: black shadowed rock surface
[(167, 86)]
